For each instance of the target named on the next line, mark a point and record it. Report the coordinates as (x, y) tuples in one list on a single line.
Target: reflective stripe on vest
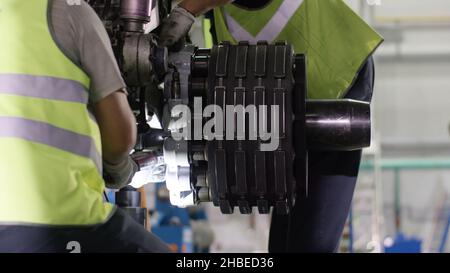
[(50, 135), (43, 87), (272, 29)]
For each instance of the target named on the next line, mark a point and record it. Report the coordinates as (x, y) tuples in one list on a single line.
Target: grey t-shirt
[(80, 34)]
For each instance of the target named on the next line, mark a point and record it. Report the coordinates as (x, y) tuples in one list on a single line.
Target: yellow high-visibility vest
[(50, 159), (336, 41)]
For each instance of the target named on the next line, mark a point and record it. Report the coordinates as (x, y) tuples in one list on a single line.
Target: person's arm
[(117, 127), (80, 34), (118, 132)]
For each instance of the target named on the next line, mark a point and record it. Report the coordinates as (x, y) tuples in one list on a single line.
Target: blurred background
[(402, 194), (402, 201)]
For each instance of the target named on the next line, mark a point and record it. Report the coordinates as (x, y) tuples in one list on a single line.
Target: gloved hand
[(152, 169), (119, 175), (176, 27)]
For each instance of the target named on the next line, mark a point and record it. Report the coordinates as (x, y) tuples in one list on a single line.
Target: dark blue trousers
[(120, 234), (317, 221)]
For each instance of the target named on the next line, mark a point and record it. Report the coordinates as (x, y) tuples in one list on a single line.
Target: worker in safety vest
[(64, 119), (338, 45)]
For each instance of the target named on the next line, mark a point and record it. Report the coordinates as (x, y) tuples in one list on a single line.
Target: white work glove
[(119, 175), (152, 169), (176, 27)]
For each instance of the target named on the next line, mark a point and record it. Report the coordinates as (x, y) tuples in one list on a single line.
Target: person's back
[(51, 146), (64, 117), (336, 41)]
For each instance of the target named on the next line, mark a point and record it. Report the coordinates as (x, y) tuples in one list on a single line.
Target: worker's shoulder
[(77, 10), (72, 23), (68, 5)]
